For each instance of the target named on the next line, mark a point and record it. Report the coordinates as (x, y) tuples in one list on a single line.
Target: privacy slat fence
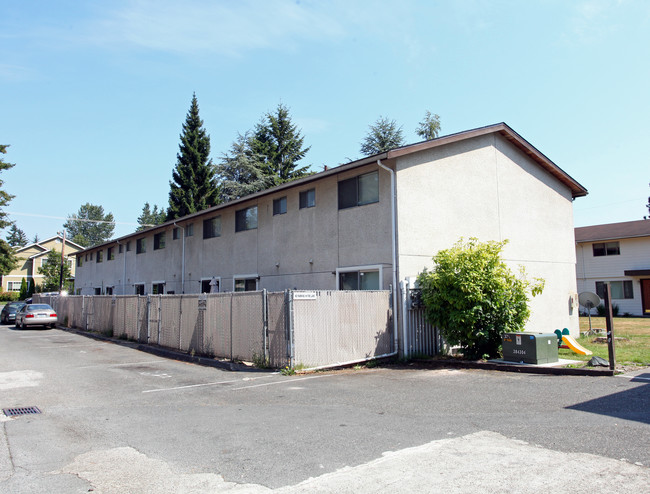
[(313, 329)]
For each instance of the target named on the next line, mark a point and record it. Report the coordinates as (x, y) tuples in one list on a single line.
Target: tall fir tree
[(280, 143), (382, 136), (90, 226), (193, 186), (8, 260), (429, 127), (150, 217), (240, 171), (16, 237)]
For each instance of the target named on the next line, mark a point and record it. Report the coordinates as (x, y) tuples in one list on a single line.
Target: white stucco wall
[(486, 188)]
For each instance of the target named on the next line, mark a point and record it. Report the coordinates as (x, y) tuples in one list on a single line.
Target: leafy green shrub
[(602, 312), (9, 296), (473, 297)]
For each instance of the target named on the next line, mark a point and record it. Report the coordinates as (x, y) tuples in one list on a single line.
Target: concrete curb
[(504, 367), (169, 354)]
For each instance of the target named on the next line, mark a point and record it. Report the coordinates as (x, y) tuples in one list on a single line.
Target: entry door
[(645, 296)]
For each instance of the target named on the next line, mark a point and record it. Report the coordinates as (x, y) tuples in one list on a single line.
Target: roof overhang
[(637, 272)]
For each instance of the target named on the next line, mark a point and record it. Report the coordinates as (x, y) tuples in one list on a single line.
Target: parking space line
[(68, 346), (288, 381), (216, 383), (123, 364)]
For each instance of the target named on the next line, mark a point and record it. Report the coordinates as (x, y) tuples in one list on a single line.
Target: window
[(13, 286), (206, 285), (189, 230), (212, 227), (308, 198), (109, 290), (110, 254), (100, 255), (176, 233), (245, 284), (359, 280), (98, 291), (79, 262), (158, 288), (618, 289), (606, 249), (86, 256), (91, 256), (128, 246), (159, 241), (358, 191), (139, 289), (246, 219), (141, 246), (120, 248), (280, 206)]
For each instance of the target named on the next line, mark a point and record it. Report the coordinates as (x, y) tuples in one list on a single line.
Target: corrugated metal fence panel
[(170, 321), (277, 340), (216, 325), (247, 326), (341, 326), (422, 337)]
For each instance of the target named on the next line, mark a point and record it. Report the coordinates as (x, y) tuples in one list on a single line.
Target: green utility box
[(531, 348)]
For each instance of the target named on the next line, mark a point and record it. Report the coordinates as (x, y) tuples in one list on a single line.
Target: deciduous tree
[(382, 136), (193, 186), (90, 226), (429, 127), (51, 270)]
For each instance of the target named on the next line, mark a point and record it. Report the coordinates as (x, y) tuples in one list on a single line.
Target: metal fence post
[(147, 315), (265, 324), (290, 340), (159, 317), (180, 321), (231, 318)]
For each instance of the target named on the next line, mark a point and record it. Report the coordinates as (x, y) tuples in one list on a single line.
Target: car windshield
[(34, 307), (15, 305)]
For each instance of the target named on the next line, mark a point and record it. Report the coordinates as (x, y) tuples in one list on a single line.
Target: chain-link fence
[(317, 328)]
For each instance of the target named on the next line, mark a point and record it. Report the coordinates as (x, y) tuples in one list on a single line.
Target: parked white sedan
[(36, 315)]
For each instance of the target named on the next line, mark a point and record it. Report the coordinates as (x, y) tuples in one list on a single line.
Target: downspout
[(183, 260), (394, 249)]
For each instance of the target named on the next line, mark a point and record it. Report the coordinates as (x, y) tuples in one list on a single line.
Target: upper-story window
[(357, 191), (79, 261), (110, 253), (212, 227), (307, 198), (189, 230), (246, 219), (176, 233), (280, 205), (159, 241), (100, 255), (141, 245), (607, 249)]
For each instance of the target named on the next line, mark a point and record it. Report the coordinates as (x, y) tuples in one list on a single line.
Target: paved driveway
[(118, 420)]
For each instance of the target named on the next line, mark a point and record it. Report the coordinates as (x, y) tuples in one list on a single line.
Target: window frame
[(303, 199), (361, 269), (604, 249), (189, 230), (246, 278), (100, 256), (158, 287), (139, 289), (211, 232), (110, 254), (208, 280), (626, 288), (282, 209), (354, 186), (141, 245), (244, 221), (176, 233), (159, 241)]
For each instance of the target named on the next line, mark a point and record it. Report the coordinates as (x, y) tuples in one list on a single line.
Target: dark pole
[(62, 261), (609, 320)]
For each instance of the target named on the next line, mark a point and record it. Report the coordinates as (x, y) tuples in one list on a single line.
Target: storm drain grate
[(12, 412)]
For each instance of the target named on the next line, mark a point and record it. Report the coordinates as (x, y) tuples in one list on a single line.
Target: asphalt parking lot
[(118, 420)]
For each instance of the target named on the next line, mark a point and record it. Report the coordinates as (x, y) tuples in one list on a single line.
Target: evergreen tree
[(151, 217), (429, 127), (24, 291), (193, 186), (90, 226), (8, 260), (36, 240), (280, 144), (16, 237), (240, 171), (383, 135), (51, 270)]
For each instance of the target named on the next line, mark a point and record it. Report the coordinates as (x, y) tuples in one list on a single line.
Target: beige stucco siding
[(486, 188)]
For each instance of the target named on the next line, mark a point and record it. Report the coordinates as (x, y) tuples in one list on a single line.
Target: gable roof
[(502, 129), (613, 231), (44, 241)]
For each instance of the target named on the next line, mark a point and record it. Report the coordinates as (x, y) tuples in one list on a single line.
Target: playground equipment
[(565, 340)]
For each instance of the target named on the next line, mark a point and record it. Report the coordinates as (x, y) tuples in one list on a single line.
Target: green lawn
[(635, 349)]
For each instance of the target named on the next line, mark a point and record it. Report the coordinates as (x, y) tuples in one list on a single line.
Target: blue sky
[(93, 93)]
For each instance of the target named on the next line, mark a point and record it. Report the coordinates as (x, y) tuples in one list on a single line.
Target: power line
[(75, 219)]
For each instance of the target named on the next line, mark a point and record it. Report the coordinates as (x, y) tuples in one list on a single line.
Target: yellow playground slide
[(574, 345)]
